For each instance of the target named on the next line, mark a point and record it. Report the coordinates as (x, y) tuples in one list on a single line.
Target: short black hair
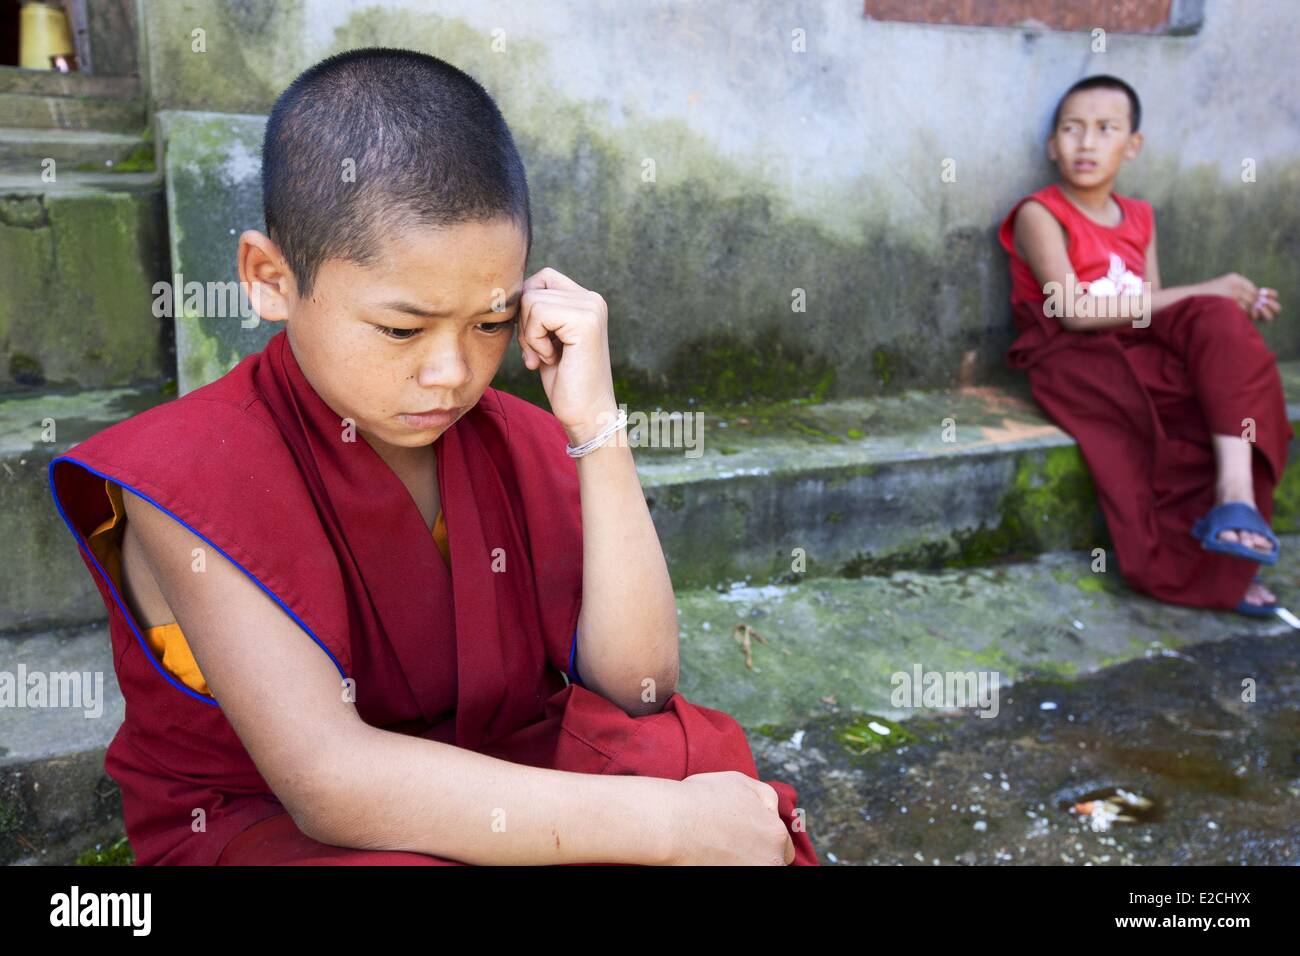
[(1103, 81), (428, 148)]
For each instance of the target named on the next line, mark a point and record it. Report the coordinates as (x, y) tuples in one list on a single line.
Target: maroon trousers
[(1142, 404)]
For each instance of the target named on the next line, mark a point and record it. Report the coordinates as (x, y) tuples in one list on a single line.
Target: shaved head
[(375, 141)]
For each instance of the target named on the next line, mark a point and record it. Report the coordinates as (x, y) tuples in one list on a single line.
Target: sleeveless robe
[(254, 464)]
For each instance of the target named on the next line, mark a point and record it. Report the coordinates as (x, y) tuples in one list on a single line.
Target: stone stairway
[(846, 536), (43, 101), (82, 240), (82, 237)]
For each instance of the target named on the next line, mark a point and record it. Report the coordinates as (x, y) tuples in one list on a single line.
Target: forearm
[(384, 790), (1110, 312), (628, 623)]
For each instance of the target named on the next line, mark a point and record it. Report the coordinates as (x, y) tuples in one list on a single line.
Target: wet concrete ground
[(1222, 773)]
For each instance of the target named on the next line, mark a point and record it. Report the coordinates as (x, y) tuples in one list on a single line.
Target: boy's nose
[(447, 370)]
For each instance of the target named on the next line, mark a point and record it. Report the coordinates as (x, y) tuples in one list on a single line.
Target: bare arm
[(349, 784), (1040, 241), (627, 627), (629, 614)]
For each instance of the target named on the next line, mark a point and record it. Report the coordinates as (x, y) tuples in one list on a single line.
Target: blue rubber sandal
[(1256, 610), (1235, 516)]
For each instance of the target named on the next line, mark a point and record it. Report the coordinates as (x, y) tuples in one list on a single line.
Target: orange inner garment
[(166, 640)]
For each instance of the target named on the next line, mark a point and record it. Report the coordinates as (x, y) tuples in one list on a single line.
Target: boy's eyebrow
[(1105, 117), (424, 313)]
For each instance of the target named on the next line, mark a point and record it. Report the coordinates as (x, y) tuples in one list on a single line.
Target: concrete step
[(81, 182), (78, 262), (818, 648), (873, 485), (45, 584), (55, 799), (25, 150), (53, 83), (776, 495), (43, 111)]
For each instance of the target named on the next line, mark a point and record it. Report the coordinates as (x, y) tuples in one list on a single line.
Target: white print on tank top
[(1117, 281)]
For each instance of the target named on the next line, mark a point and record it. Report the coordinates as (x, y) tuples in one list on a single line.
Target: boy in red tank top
[(1172, 394)]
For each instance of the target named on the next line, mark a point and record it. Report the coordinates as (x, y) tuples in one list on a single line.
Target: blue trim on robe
[(148, 651), (573, 666)]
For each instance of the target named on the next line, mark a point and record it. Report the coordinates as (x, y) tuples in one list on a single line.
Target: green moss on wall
[(77, 270), (249, 52), (24, 212), (1209, 224), (716, 372), (1052, 504), (25, 369), (885, 365)]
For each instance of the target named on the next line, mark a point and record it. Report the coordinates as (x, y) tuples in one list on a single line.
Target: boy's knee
[(1226, 310), (1222, 318)]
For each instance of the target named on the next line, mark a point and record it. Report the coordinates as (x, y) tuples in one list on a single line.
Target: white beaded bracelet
[(587, 447)]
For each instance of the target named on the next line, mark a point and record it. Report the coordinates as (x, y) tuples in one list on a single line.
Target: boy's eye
[(495, 328), (403, 335), (387, 330)]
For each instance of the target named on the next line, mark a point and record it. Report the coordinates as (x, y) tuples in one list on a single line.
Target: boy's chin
[(1082, 179)]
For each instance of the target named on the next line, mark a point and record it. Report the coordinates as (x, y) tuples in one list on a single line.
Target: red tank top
[(1117, 253)]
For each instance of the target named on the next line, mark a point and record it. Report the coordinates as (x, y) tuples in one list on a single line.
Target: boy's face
[(364, 345), (1093, 137)]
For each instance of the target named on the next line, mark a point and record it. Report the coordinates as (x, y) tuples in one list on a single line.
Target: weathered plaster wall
[(820, 170)]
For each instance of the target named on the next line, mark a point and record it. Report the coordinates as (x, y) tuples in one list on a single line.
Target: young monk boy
[(1173, 396), (349, 581)]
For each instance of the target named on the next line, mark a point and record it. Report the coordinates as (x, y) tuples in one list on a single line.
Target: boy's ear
[(1051, 147), (266, 275), (1134, 146)]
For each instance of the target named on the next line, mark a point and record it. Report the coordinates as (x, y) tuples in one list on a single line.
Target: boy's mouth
[(434, 418), (1084, 165)]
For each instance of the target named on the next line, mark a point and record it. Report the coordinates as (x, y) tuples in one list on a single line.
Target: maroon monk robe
[(1142, 404), (258, 466)]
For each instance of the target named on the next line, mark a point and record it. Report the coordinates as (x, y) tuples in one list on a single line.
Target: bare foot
[(1258, 594), (1251, 539)]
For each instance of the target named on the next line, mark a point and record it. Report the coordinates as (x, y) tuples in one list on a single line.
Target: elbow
[(332, 817), (312, 812), (670, 679), (665, 685), (310, 825), (644, 694), (646, 708), (317, 795)]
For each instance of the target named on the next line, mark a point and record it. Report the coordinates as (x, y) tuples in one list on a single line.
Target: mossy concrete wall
[(821, 171), (214, 192), (76, 273)]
